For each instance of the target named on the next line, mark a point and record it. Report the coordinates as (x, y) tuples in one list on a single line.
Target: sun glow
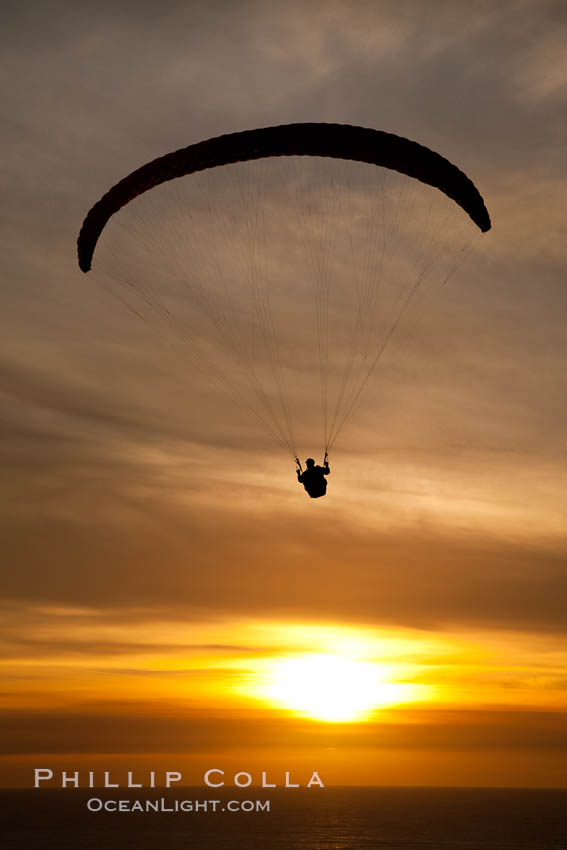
[(333, 688)]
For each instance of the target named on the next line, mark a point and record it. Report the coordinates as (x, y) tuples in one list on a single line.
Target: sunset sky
[(169, 593)]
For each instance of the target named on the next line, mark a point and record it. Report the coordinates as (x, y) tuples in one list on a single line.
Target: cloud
[(155, 731), (281, 566), (135, 493)]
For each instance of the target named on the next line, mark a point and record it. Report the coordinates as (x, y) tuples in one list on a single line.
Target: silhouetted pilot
[(313, 479)]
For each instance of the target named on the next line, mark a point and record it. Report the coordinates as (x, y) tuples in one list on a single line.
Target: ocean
[(306, 819)]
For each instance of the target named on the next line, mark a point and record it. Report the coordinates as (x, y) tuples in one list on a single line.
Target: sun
[(331, 687)]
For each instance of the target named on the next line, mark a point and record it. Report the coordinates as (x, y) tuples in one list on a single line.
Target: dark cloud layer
[(197, 564), (103, 732)]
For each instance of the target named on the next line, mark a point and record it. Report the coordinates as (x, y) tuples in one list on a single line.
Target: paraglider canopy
[(341, 141), (242, 227)]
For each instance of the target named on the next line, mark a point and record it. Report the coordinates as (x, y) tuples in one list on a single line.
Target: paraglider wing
[(340, 141)]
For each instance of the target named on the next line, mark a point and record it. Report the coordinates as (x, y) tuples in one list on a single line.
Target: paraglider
[(236, 247), (313, 479)]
